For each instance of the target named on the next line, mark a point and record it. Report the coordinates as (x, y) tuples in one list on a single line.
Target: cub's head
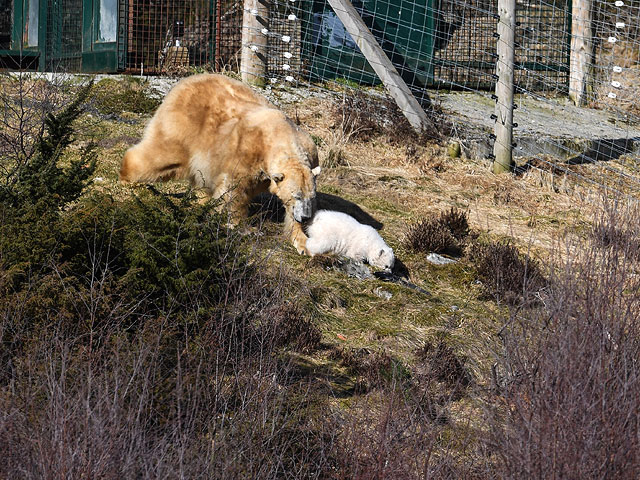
[(383, 258)]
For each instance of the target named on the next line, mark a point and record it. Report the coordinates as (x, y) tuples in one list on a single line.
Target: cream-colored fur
[(221, 136), (339, 233)]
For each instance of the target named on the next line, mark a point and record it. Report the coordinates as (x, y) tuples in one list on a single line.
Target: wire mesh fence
[(445, 51), (63, 47), (5, 25), (174, 37)]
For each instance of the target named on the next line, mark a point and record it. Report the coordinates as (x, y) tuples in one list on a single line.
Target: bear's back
[(199, 105)]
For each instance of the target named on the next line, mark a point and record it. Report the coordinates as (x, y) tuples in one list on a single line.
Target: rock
[(400, 280), (380, 292), (352, 268), (437, 259)]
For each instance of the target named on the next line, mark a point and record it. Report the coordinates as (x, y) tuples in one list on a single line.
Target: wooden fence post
[(502, 148), (380, 63), (581, 50), (253, 59)]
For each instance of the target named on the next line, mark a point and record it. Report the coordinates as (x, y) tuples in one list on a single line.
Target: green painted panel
[(403, 28), (99, 27), (100, 62)]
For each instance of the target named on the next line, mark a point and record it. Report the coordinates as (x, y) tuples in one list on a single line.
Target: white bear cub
[(342, 234)]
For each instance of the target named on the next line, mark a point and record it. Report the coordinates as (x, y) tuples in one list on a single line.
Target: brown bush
[(507, 274), (392, 435), (569, 377), (443, 365), (457, 222), (609, 231), (362, 116), (443, 233)]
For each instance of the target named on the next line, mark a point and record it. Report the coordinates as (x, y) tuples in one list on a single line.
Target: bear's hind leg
[(147, 162)]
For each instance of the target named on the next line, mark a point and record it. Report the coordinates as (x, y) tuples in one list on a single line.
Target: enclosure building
[(447, 43)]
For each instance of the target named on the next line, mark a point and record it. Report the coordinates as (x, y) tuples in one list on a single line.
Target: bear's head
[(292, 165), (295, 186), (383, 258), (287, 156)]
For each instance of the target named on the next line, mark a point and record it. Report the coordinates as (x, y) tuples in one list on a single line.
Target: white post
[(380, 63), (253, 58), (502, 148), (581, 50)]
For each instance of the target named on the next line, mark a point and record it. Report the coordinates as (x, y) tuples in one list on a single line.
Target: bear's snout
[(304, 209)]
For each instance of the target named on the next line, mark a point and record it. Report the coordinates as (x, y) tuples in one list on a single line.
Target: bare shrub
[(569, 375), (609, 232), (356, 115), (26, 100), (429, 235), (443, 233), (362, 116), (443, 365), (507, 274), (457, 221), (391, 434)]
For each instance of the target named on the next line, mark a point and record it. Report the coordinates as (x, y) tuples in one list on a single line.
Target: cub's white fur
[(342, 234)]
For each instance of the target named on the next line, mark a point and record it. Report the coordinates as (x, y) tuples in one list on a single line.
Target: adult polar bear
[(226, 139)]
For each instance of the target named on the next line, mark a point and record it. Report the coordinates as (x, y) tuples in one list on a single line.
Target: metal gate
[(63, 48)]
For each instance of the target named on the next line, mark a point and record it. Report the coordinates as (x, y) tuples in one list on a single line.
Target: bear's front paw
[(300, 244), (302, 250)]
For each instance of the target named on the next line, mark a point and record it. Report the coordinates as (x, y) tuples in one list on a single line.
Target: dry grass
[(399, 376), (395, 189)]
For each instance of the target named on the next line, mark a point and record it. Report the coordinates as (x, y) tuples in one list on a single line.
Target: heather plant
[(443, 233), (507, 274), (568, 378), (610, 233), (457, 222)]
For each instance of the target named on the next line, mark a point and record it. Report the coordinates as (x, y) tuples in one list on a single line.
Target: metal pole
[(502, 147)]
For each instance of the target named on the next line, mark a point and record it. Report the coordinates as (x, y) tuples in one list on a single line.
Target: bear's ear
[(263, 176), (277, 177), (316, 171)]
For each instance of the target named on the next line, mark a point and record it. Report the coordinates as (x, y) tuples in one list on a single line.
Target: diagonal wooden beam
[(381, 64)]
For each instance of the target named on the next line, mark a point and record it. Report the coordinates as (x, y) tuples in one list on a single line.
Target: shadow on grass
[(270, 208)]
